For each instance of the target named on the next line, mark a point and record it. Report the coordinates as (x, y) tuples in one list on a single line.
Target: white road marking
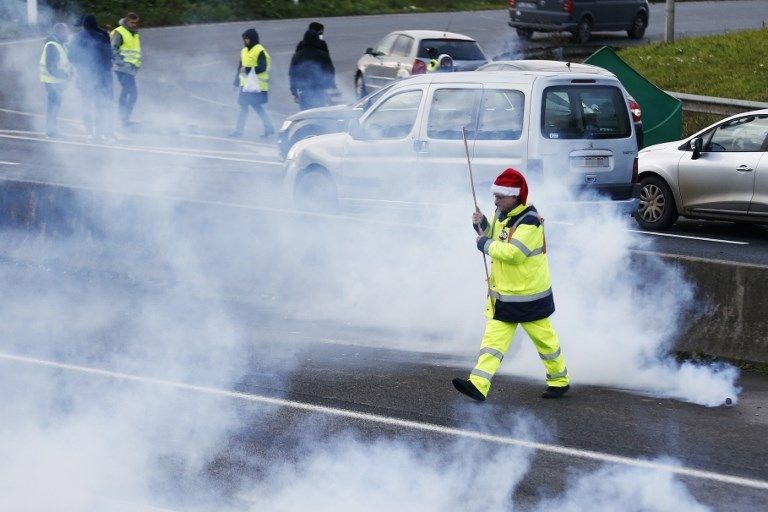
[(396, 422), (688, 237), (145, 149), (9, 163)]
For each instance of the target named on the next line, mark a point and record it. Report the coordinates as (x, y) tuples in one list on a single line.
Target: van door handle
[(420, 146), (743, 168)]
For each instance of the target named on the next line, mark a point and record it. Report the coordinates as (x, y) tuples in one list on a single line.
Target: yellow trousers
[(496, 340)]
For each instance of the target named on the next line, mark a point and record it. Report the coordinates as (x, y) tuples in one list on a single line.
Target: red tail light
[(634, 172), (637, 113), (512, 4), (568, 6), (419, 68)]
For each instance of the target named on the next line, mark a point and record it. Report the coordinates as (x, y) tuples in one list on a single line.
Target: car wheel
[(638, 27), (524, 33), (315, 191), (656, 209), (583, 31), (360, 88)]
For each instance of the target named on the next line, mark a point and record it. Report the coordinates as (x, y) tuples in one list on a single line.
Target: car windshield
[(366, 101), (574, 112), (458, 49)]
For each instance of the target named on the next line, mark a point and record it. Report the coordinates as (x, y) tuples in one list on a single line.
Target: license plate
[(526, 5), (592, 161)]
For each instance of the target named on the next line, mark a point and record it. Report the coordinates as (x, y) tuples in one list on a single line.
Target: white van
[(575, 128)]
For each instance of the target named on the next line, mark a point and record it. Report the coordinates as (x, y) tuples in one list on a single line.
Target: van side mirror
[(369, 51), (696, 145)]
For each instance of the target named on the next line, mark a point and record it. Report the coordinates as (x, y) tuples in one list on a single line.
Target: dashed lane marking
[(396, 422), (9, 163)]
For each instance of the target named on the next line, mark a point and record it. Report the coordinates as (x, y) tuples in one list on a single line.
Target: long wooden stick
[(478, 228)]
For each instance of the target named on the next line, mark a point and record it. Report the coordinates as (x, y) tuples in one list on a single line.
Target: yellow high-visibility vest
[(64, 64), (249, 58), (130, 48)]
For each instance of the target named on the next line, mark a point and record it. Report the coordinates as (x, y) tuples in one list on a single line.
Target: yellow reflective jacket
[(63, 65), (520, 286), (249, 58), (130, 48)]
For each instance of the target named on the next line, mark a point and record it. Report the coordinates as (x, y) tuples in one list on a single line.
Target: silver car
[(406, 52), (718, 173)]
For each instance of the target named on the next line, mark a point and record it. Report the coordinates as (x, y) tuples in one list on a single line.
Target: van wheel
[(360, 88), (315, 191), (583, 31), (524, 33), (638, 27), (657, 208)]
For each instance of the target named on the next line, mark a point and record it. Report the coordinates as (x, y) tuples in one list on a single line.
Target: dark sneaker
[(465, 387), (555, 392)]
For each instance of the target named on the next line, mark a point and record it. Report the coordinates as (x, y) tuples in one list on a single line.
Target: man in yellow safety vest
[(519, 289), (126, 49), (55, 72)]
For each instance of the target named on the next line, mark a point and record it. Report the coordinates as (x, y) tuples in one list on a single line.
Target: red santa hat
[(511, 183)]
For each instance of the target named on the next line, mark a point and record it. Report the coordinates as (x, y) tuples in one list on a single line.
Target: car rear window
[(458, 49), (584, 112)]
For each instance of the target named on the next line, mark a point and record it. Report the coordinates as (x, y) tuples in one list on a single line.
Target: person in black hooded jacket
[(91, 55), (311, 73)]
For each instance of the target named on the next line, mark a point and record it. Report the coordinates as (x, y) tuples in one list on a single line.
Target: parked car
[(568, 67), (579, 17), (404, 53), (719, 173), (408, 147), (317, 121)]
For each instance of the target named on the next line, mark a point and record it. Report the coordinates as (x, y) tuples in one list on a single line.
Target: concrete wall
[(732, 321)]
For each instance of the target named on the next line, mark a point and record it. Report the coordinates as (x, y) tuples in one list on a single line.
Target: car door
[(722, 179), (442, 160), (399, 61), (375, 73), (380, 162), (613, 14), (758, 207)]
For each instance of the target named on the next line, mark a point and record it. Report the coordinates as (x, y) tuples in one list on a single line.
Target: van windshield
[(458, 49), (585, 112)]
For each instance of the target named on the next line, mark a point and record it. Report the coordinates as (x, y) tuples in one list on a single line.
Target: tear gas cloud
[(200, 293)]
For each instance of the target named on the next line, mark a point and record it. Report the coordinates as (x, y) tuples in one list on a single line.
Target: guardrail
[(714, 105)]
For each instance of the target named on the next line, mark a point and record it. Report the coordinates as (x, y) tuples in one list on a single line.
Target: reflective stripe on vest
[(64, 64), (433, 65), (130, 48), (520, 245), (249, 58), (521, 298)]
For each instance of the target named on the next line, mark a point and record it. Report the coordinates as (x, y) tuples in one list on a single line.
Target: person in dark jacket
[(311, 73), (253, 57), (55, 72), (91, 55), (319, 29)]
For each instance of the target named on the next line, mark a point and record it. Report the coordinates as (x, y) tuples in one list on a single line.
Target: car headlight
[(286, 124)]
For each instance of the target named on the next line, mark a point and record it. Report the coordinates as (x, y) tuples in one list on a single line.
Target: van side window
[(501, 115), (394, 117), (584, 112), (450, 110)]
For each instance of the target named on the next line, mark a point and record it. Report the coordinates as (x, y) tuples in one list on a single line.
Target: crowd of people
[(92, 55), (89, 57)]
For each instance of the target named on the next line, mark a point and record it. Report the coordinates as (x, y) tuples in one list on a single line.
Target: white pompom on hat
[(511, 183)]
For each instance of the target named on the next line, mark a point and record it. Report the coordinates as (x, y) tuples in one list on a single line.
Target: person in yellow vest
[(433, 64), (252, 80), (126, 49), (519, 289), (55, 73)]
